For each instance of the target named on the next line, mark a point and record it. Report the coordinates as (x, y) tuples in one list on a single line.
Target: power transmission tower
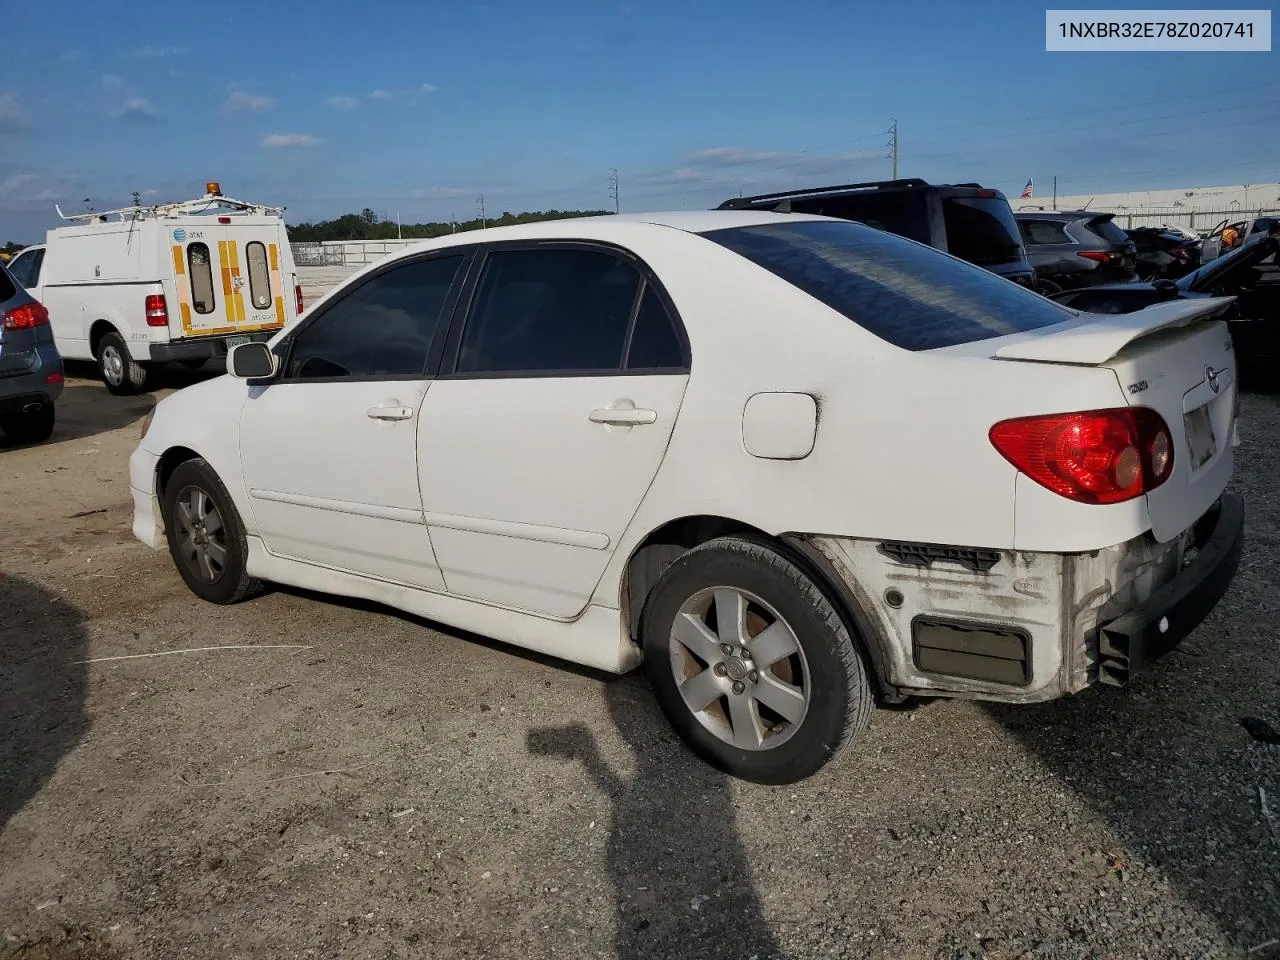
[(480, 207), (615, 191), (893, 146)]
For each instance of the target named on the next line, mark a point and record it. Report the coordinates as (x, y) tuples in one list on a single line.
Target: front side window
[(549, 310), (384, 328), (200, 269), (910, 295), (26, 269), (259, 276)]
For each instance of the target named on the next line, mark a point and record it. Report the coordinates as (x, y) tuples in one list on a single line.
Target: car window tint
[(1044, 231), (1108, 230), (549, 310), (982, 230), (7, 289), (383, 328), (905, 293), (655, 344)]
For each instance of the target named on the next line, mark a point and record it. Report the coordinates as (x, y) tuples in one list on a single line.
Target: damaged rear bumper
[(1163, 621)]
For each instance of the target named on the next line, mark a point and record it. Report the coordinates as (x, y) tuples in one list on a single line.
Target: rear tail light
[(26, 317), (297, 298), (1096, 456), (157, 310), (1101, 256)]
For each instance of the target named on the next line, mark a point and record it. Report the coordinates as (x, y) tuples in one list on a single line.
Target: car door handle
[(623, 416), (390, 410)]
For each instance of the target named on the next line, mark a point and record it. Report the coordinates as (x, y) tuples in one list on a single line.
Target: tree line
[(367, 225)]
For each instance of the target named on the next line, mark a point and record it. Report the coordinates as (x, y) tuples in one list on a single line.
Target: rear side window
[(1108, 230), (904, 212), (539, 311), (655, 342), (1044, 231), (200, 268), (982, 230), (259, 276), (26, 268), (907, 294)]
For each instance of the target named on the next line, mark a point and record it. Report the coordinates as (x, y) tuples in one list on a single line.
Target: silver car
[(31, 375)]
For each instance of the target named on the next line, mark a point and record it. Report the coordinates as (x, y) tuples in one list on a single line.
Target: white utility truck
[(177, 282)]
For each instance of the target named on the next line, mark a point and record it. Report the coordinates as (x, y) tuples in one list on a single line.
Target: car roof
[(1060, 214), (617, 227)]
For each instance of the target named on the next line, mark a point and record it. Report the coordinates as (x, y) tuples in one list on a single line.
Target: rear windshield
[(913, 296), (982, 230), (1108, 230)]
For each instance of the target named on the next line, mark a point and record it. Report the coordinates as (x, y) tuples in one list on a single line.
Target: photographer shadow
[(681, 877)]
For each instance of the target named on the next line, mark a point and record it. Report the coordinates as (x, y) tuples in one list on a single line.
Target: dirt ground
[(380, 787)]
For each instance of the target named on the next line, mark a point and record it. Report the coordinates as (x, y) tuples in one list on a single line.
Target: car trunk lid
[(1177, 359)]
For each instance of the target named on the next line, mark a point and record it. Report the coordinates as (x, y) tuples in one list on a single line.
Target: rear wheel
[(206, 536), (120, 372), (751, 663), (1047, 288), (35, 427)]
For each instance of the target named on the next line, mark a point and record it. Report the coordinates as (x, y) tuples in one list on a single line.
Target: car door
[(549, 420), (329, 447), (1212, 245)]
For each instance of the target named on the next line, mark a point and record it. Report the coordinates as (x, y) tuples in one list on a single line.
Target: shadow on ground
[(680, 874), (42, 688)]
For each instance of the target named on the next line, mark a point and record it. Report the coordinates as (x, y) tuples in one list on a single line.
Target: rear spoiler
[(1093, 339)]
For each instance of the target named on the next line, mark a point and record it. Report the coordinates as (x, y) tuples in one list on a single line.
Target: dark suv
[(966, 220), (1071, 249)]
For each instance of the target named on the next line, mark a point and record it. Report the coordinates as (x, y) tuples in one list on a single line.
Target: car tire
[(122, 374), (34, 427), (773, 722), (206, 536), (1047, 288)]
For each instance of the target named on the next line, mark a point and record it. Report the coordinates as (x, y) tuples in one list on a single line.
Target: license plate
[(235, 342), (1200, 438)]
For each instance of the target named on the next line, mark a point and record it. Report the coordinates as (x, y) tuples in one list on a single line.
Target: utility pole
[(480, 205), (893, 145), (1055, 192), (453, 223), (615, 191), (399, 232)]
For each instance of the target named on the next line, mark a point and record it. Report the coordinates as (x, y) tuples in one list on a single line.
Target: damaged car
[(793, 465)]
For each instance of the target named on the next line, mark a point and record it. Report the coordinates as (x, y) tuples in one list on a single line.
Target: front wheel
[(751, 663), (206, 536), (1047, 288), (120, 372), (34, 427)]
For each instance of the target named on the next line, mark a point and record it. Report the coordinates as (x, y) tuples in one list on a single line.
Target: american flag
[(1026, 191)]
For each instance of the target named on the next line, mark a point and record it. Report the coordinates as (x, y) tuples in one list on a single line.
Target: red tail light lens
[(297, 298), (26, 317), (1100, 256), (157, 310), (1096, 456)]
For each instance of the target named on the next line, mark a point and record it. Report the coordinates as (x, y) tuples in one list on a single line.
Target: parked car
[(31, 377), (1241, 230), (1249, 274), (966, 220), (725, 443), (1072, 249), (178, 282), (1163, 253)]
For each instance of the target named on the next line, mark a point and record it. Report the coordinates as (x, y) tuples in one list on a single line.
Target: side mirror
[(251, 361)]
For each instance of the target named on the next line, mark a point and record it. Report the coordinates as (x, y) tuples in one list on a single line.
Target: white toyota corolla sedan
[(791, 464)]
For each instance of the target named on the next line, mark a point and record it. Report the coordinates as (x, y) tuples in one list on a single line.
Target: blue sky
[(331, 106)]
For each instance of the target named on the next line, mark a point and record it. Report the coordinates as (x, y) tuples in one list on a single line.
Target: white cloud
[(111, 81), (157, 53), (405, 95), (239, 100), (71, 55), (343, 103), (29, 188), (136, 108), (11, 114), (290, 140)]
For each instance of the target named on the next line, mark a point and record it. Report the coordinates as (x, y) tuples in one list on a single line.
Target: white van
[(179, 282)]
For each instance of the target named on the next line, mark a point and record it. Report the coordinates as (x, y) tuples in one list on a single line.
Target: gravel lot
[(399, 790)]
